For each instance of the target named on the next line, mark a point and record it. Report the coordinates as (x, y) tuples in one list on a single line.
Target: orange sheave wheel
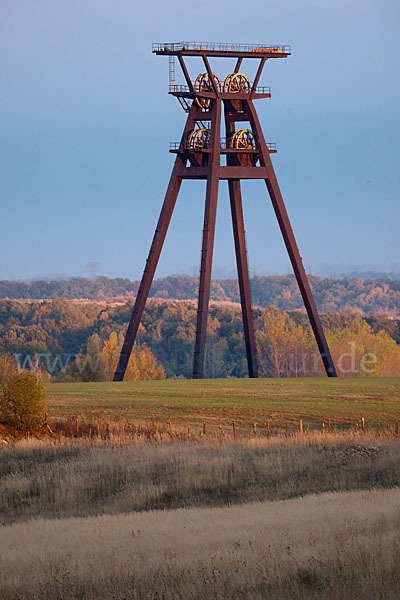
[(236, 83), (199, 138), (203, 84), (243, 139)]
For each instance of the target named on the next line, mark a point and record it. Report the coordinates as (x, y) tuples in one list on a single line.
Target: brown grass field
[(143, 513), (71, 478), (309, 516), (332, 546)]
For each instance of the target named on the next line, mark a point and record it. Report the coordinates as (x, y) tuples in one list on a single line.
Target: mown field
[(220, 401)]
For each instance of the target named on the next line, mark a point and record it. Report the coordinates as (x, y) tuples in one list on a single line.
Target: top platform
[(220, 49)]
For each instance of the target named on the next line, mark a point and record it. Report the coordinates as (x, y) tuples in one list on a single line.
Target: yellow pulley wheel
[(237, 83), (243, 139), (199, 138), (204, 84)]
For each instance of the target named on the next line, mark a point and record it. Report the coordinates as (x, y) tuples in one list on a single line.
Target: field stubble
[(333, 546)]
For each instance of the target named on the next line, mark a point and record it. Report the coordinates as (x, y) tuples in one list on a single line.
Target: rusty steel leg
[(149, 270), (290, 242), (210, 213), (154, 254), (243, 274), (298, 268), (205, 274), (241, 255)]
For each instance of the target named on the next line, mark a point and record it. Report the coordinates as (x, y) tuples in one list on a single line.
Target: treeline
[(65, 339), (370, 296)]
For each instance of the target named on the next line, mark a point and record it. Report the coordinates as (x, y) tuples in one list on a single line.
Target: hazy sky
[(86, 119)]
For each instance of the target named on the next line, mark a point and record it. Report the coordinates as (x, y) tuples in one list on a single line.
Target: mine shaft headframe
[(221, 50), (199, 158)]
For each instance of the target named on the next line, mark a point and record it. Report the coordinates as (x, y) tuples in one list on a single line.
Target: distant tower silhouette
[(198, 156), (92, 267)]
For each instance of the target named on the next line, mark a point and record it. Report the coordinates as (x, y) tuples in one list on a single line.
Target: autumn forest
[(79, 340)]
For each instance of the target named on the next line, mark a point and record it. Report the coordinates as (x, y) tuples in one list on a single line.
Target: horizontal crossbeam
[(222, 49), (223, 172), (182, 91), (176, 147)]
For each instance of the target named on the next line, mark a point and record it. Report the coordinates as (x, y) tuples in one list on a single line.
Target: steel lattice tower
[(198, 156)]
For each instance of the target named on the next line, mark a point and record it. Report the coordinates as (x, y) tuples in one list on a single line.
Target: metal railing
[(179, 146), (225, 145), (220, 47), (178, 89), (173, 87)]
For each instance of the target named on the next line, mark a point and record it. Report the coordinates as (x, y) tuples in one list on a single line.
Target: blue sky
[(86, 119)]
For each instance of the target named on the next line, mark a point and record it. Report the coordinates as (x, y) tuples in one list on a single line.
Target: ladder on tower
[(171, 71)]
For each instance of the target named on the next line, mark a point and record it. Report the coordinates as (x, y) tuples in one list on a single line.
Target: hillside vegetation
[(72, 340), (369, 296)]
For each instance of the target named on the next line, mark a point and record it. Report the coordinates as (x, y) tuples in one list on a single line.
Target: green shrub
[(22, 402)]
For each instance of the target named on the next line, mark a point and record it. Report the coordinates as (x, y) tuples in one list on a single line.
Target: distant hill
[(371, 296), (363, 275)]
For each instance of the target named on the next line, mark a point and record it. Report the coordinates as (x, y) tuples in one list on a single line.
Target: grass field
[(66, 477), (295, 518), (342, 546), (220, 401), (298, 517)]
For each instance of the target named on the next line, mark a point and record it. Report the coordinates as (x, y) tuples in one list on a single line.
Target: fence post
[(234, 429), (188, 432), (255, 429), (363, 424), (387, 428), (301, 425), (204, 428), (323, 427)]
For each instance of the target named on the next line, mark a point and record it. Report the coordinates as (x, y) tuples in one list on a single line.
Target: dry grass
[(78, 478), (333, 546), (85, 517)]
